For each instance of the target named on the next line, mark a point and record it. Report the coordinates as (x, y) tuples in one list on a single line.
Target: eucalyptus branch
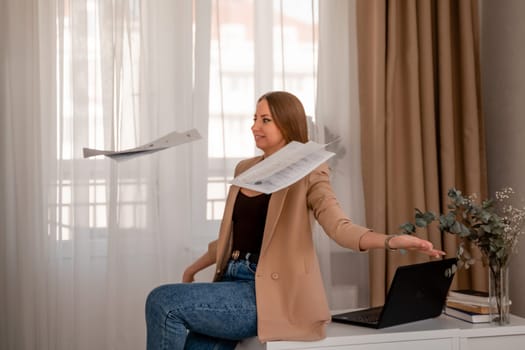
[(494, 226)]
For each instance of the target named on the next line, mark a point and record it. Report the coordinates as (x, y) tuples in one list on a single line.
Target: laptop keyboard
[(365, 316)]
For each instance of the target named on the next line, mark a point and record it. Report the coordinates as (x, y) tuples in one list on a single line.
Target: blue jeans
[(204, 315)]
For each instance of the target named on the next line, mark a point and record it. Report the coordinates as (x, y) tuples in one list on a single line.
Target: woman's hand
[(188, 276), (413, 243), (373, 240), (198, 265)]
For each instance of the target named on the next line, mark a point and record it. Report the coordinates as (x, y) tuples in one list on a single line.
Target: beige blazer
[(291, 301)]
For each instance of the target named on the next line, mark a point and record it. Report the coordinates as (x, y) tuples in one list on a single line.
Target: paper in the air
[(283, 168), (172, 139)]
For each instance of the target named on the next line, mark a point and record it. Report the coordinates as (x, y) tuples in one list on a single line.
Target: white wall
[(503, 85)]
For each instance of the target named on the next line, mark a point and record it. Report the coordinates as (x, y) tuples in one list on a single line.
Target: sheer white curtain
[(345, 272), (83, 240)]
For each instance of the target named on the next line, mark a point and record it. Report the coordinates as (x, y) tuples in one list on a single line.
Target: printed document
[(172, 139), (283, 168)]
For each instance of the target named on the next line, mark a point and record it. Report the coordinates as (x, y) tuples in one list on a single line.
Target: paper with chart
[(283, 168), (172, 139)]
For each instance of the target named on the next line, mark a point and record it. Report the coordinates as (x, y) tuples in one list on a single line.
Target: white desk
[(440, 333)]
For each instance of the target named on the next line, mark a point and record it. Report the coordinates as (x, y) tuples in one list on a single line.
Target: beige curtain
[(421, 122)]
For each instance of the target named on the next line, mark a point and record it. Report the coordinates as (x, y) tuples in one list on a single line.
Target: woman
[(267, 280)]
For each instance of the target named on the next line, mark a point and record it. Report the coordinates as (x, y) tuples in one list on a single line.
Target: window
[(268, 45), (256, 46)]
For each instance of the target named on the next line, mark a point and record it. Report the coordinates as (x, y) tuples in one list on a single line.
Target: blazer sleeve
[(328, 212)]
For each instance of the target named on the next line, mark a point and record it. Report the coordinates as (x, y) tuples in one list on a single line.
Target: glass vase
[(499, 294)]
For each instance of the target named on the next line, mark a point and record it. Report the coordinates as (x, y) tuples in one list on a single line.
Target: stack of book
[(468, 305)]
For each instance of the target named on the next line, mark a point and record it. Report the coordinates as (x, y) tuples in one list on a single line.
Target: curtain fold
[(422, 127), (23, 263)]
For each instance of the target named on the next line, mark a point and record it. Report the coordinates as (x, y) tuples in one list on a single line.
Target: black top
[(249, 217)]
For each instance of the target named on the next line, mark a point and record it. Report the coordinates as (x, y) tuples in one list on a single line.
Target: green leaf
[(485, 216), (454, 193), (429, 216), (408, 228), (487, 203), (446, 221), (455, 228), (464, 230), (421, 222)]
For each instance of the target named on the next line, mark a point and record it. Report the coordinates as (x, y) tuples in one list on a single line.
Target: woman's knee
[(162, 323), (168, 296), (156, 300)]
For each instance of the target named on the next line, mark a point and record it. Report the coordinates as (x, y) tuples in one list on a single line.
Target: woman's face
[(268, 137)]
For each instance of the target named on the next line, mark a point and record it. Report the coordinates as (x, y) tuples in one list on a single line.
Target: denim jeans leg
[(224, 310), (162, 334), (197, 341)]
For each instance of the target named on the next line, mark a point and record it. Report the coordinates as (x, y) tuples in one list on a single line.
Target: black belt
[(242, 255)]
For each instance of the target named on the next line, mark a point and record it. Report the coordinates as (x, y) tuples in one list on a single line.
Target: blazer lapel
[(274, 212)]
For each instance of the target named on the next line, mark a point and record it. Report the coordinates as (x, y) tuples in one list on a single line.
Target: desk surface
[(443, 327), (441, 323)]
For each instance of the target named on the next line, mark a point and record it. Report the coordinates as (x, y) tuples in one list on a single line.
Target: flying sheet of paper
[(283, 168), (172, 139)]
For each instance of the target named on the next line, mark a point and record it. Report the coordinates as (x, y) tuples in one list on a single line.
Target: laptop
[(417, 292)]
